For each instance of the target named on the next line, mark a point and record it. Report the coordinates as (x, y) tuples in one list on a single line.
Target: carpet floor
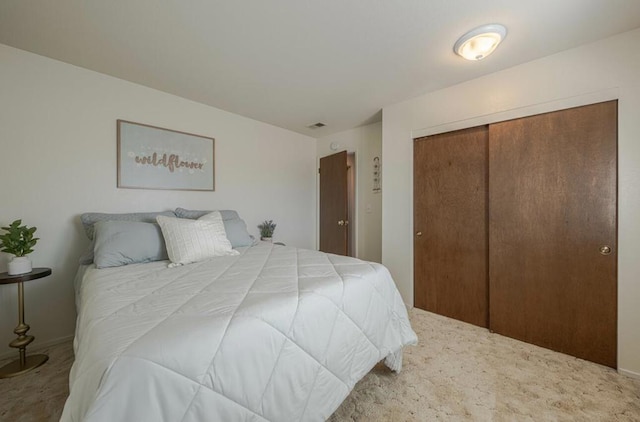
[(458, 372)]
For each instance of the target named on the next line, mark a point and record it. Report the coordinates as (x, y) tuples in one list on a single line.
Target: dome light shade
[(480, 42)]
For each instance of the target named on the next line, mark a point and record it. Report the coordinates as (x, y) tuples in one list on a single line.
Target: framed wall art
[(151, 157)]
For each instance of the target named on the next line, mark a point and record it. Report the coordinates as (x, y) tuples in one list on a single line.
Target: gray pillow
[(120, 243), (90, 218), (195, 214), (235, 226)]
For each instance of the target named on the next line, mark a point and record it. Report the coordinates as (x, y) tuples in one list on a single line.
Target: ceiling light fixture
[(480, 42)]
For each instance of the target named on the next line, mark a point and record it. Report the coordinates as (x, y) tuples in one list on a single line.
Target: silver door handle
[(341, 223)]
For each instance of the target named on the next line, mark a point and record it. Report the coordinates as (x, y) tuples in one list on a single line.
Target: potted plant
[(18, 241), (267, 228)]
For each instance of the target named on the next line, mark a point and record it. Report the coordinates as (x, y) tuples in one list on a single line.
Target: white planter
[(267, 239), (19, 265)]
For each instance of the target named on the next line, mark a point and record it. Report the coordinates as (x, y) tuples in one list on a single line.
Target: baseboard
[(37, 347), (629, 374)]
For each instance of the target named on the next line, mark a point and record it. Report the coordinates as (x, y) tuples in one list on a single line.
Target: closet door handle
[(419, 234), (605, 250), (341, 223)]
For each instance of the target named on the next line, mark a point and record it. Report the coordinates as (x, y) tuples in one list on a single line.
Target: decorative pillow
[(90, 218), (234, 226), (192, 241), (120, 243)]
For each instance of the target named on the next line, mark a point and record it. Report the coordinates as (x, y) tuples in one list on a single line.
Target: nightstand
[(24, 363)]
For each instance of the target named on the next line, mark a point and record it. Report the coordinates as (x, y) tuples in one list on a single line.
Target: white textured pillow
[(194, 240)]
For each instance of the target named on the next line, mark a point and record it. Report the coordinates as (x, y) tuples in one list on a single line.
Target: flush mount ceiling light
[(480, 42)]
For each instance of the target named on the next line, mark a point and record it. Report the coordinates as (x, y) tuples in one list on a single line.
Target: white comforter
[(276, 333)]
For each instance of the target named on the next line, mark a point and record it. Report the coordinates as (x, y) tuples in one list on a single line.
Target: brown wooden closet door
[(450, 220), (552, 196)]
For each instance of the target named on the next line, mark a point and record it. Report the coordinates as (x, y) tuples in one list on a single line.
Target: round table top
[(35, 274)]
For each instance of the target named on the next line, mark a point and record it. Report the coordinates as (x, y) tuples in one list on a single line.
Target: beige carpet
[(38, 395), (458, 372)]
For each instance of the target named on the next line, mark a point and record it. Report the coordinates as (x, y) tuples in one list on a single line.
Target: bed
[(274, 333)]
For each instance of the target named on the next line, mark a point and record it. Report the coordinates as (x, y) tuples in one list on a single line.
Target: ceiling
[(292, 63)]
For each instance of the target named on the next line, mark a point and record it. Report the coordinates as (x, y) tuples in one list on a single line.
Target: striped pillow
[(195, 240)]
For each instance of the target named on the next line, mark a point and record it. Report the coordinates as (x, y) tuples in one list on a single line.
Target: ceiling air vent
[(316, 125)]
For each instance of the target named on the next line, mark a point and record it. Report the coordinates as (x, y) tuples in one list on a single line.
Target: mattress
[(273, 334)]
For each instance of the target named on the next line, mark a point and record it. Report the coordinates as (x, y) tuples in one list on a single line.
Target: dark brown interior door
[(334, 204), (552, 225), (450, 222)]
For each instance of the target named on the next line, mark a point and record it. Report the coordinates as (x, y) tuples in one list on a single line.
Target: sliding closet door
[(552, 224), (450, 222)]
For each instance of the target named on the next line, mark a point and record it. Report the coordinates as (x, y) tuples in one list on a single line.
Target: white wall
[(58, 160), (366, 142), (606, 69)]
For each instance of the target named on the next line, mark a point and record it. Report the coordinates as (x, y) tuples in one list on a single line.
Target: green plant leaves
[(18, 240), (267, 227)]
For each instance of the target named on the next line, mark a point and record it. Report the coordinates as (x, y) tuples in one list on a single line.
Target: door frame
[(486, 119), (353, 224)]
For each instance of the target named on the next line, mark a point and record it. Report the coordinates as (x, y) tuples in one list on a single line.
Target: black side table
[(25, 363)]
